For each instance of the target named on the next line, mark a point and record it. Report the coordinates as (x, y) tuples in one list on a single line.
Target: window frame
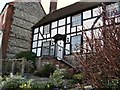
[(75, 21)]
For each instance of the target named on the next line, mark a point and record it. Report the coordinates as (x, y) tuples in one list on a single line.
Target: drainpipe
[(1, 35)]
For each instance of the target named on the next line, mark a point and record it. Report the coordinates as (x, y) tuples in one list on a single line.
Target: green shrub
[(78, 77), (111, 83), (45, 71), (20, 83), (57, 78), (28, 55), (13, 82), (67, 75)]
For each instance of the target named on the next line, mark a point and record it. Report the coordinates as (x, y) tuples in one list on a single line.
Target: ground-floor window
[(76, 42)]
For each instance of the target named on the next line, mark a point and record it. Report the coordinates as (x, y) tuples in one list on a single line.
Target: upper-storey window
[(76, 20), (112, 9), (46, 29), (97, 11)]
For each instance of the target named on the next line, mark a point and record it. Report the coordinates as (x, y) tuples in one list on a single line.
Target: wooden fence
[(8, 66)]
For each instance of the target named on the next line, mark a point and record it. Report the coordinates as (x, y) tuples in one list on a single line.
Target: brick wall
[(6, 27)]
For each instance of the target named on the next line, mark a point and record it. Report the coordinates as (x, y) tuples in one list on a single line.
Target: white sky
[(45, 3)]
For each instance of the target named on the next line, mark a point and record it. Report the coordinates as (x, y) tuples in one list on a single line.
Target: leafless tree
[(102, 59)]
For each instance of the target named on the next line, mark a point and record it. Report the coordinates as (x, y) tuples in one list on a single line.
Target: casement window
[(76, 42), (97, 11), (76, 20), (112, 9), (46, 48), (46, 29)]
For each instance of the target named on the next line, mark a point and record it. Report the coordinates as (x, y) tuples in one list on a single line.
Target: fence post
[(13, 65), (39, 63), (1, 66), (23, 66)]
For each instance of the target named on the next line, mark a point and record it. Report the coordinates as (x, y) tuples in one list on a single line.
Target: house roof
[(66, 11)]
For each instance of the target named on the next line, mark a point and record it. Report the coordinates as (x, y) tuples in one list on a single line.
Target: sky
[(45, 3)]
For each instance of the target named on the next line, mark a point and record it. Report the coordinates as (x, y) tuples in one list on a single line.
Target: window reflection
[(76, 20), (46, 29), (76, 42)]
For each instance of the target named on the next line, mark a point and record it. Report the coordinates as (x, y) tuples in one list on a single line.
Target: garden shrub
[(28, 55), (111, 83), (67, 75), (57, 78), (78, 77), (13, 82), (45, 71), (21, 83)]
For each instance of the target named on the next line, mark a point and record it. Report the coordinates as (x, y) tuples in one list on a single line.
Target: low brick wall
[(58, 63)]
